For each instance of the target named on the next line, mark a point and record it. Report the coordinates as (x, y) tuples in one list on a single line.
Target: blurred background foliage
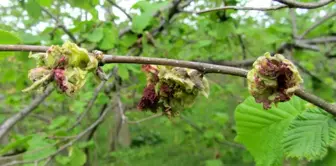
[(203, 134)]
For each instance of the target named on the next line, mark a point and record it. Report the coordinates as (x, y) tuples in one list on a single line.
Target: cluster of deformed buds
[(67, 66), (171, 89), (273, 79)]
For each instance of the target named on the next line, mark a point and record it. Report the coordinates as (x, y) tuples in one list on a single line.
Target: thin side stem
[(305, 5), (120, 8), (27, 48), (331, 108), (91, 135), (320, 40), (293, 19), (145, 119), (120, 117), (37, 116), (92, 101), (317, 23), (243, 8), (66, 31), (70, 143), (10, 122)]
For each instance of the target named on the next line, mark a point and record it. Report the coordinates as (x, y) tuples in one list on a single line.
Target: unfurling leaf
[(261, 131), (310, 134)]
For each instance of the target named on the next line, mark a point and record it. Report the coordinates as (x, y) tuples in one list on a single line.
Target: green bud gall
[(67, 66), (171, 89)]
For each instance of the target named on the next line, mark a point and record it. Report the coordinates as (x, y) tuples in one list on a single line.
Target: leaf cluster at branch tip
[(171, 88), (66, 66), (273, 79)]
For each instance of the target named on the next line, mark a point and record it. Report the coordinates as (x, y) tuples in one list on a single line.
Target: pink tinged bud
[(50, 49), (38, 73), (60, 79), (61, 62), (150, 69)]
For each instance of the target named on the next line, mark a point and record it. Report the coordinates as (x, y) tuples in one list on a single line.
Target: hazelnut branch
[(204, 67), (305, 5), (285, 4)]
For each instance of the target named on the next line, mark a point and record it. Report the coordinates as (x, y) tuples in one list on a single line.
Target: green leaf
[(84, 4), (128, 40), (261, 131), (310, 135), (110, 38), (8, 38), (123, 72), (30, 39), (77, 157), (220, 117), (58, 122), (13, 145), (96, 35), (146, 6), (90, 143), (33, 9), (204, 43), (140, 22), (39, 147), (62, 159), (213, 163), (143, 5), (46, 3)]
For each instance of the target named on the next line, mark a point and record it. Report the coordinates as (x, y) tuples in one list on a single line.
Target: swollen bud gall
[(66, 66), (171, 89), (273, 79)]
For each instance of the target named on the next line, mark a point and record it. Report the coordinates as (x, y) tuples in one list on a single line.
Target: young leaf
[(45, 3), (58, 122), (141, 22), (110, 38), (310, 134), (123, 72), (261, 130), (16, 144), (33, 9), (96, 35), (77, 157), (8, 38), (39, 147), (213, 163)]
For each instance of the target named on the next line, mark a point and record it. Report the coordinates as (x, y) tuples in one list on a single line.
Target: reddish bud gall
[(273, 80)]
